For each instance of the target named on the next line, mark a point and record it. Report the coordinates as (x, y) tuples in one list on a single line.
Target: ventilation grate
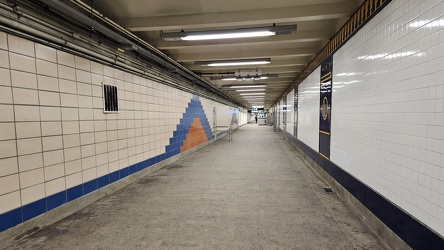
[(110, 99)]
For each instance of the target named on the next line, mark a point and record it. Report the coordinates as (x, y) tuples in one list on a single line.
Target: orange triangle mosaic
[(196, 135)]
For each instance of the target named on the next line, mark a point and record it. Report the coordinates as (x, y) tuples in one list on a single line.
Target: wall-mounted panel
[(325, 107)]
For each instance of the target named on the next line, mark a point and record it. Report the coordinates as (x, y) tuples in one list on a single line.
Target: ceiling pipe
[(155, 52), (22, 30), (162, 59)]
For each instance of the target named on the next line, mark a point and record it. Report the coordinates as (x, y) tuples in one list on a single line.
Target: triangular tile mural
[(193, 129)]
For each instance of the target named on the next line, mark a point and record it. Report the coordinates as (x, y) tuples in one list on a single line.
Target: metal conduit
[(151, 52), (128, 33), (56, 40), (26, 30)]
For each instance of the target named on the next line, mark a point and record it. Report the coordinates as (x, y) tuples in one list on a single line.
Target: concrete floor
[(251, 193)]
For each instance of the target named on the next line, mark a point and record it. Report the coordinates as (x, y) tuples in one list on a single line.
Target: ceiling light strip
[(229, 33), (249, 90), (244, 86), (243, 77), (240, 62), (255, 94)]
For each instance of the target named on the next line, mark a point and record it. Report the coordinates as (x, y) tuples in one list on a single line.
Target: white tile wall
[(388, 102), (308, 106), (53, 132), (290, 113)]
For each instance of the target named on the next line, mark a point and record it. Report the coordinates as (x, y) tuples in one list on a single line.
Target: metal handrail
[(229, 130)]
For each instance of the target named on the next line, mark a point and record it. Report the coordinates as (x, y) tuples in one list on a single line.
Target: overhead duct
[(139, 46)]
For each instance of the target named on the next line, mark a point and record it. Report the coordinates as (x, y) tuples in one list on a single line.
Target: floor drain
[(328, 190)]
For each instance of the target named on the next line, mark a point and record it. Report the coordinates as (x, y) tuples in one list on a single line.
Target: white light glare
[(245, 78), (258, 94), (427, 24), (234, 63), (246, 90), (228, 35), (248, 86), (387, 56)]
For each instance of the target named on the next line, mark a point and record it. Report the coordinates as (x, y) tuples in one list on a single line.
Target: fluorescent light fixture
[(243, 78), (258, 94), (244, 86), (249, 90), (240, 62), (229, 33)]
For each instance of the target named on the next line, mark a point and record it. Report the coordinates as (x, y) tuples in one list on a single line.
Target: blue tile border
[(36, 208), (55, 200), (89, 186), (74, 192), (411, 231), (10, 219)]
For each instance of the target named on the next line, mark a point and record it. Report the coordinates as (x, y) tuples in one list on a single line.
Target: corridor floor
[(251, 193)]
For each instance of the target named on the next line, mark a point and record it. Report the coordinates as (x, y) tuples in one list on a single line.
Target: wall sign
[(325, 107)]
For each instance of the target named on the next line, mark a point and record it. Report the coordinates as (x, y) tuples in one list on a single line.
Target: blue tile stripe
[(194, 110), (411, 231), (36, 208)]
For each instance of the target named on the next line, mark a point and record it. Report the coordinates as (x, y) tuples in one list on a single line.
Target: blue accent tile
[(114, 176), (103, 181), (74, 192), (10, 219), (150, 162), (55, 200), (194, 110), (142, 165), (89, 186), (160, 158), (123, 172), (414, 233), (34, 209), (139, 166), (132, 169)]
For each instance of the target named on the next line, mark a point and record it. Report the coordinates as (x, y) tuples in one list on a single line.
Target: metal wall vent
[(110, 99)]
